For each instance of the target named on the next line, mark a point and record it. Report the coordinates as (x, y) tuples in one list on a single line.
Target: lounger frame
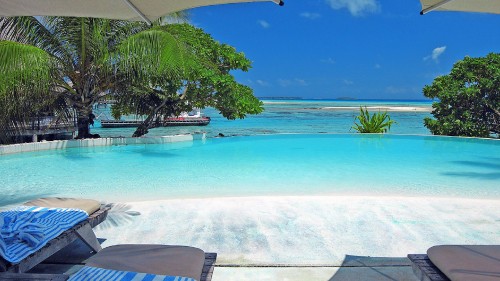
[(82, 230), (4, 276), (425, 270), (206, 274)]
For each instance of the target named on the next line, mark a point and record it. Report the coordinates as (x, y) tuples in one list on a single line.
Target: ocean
[(294, 116)]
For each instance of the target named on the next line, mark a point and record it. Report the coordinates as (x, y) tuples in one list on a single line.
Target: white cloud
[(436, 53), (262, 83), (292, 82), (348, 82), (263, 23), (328, 60), (311, 16), (377, 66), (300, 82), (355, 7), (284, 82), (395, 90)]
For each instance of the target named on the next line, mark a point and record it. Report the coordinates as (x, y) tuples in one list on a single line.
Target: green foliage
[(379, 122), (203, 78), (22, 65), (21, 96), (151, 56), (468, 99), (50, 59), (75, 60), (161, 70)]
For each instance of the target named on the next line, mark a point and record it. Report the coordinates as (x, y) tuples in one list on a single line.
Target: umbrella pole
[(137, 11), (433, 7)]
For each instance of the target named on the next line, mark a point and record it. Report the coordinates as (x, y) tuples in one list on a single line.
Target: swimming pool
[(267, 165)]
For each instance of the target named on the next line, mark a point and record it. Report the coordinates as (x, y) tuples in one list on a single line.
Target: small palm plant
[(379, 122)]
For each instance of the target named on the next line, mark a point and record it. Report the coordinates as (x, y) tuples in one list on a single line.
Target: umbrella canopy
[(147, 11), (482, 6)]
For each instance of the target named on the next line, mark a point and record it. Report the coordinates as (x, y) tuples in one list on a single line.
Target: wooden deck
[(368, 268)]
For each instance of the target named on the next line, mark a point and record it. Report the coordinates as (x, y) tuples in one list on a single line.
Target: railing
[(46, 125)]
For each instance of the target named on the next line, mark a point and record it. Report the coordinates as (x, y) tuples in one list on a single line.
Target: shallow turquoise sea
[(291, 116)]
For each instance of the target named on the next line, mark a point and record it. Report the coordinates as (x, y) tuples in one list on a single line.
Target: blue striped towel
[(24, 230), (88, 273)]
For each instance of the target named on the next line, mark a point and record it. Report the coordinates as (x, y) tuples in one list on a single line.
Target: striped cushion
[(88, 273), (24, 230)]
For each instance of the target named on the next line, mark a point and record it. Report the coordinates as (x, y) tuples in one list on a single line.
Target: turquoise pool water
[(293, 164)]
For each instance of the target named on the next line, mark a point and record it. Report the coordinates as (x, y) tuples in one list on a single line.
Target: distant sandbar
[(381, 108)]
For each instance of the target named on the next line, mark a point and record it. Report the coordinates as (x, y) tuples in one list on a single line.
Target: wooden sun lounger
[(458, 263), (82, 231), (425, 270), (208, 268)]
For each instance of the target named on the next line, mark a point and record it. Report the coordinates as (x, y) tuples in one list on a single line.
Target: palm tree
[(48, 59)]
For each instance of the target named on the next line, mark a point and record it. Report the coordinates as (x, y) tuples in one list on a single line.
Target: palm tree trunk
[(85, 118), (83, 127)]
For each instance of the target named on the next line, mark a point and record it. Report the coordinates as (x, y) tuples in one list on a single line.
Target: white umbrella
[(145, 10), (482, 6)]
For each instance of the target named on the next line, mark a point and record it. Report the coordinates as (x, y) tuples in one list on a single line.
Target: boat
[(193, 118), (167, 122)]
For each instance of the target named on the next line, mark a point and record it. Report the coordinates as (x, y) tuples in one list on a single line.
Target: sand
[(306, 230), (383, 108)]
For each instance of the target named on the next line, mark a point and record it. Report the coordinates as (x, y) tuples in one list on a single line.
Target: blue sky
[(365, 49)]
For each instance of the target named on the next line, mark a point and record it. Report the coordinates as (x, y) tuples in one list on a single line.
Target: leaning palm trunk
[(170, 104), (144, 127)]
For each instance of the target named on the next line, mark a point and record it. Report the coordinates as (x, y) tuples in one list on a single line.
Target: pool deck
[(353, 268)]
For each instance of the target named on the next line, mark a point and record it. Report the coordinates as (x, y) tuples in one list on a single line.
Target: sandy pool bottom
[(312, 230)]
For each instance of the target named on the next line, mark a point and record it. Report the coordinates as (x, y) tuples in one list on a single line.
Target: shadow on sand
[(374, 269)]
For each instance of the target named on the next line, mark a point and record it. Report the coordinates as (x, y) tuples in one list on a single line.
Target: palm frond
[(152, 54), (24, 68), (35, 32), (377, 123), (177, 17)]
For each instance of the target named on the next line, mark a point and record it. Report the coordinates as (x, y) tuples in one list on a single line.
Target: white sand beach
[(307, 230)]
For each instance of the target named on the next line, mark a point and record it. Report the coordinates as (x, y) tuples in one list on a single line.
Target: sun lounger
[(155, 259), (458, 263), (82, 230), (97, 212), (136, 260)]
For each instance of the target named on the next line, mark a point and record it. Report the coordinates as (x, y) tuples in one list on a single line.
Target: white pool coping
[(63, 144)]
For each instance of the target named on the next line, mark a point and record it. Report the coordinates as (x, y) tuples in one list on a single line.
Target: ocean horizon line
[(342, 99)]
